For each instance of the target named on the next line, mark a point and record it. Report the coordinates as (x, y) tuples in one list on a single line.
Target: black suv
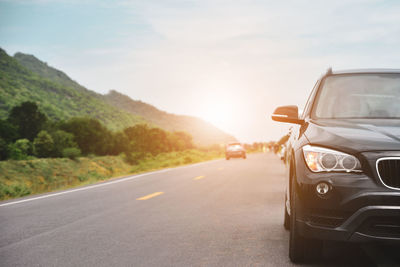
[(343, 162)]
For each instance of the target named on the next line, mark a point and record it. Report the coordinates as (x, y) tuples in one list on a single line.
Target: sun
[(218, 110), (220, 101), (216, 113)]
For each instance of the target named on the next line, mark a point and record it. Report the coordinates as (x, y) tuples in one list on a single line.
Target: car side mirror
[(288, 114)]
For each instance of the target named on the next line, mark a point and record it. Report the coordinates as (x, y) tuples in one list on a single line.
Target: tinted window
[(308, 103), (359, 96)]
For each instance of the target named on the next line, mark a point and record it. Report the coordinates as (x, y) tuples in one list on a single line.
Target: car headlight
[(319, 159)]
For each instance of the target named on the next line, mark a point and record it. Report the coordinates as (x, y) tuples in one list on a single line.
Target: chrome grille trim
[(379, 175)]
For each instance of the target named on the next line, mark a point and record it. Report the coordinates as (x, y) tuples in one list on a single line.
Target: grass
[(25, 177)]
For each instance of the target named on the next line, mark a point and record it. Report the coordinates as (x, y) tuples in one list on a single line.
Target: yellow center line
[(220, 169), (198, 178), (150, 196)]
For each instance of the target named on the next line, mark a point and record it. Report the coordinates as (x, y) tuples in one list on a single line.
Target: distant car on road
[(343, 161), (235, 150)]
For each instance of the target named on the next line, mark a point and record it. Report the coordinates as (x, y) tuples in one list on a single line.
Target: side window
[(309, 100)]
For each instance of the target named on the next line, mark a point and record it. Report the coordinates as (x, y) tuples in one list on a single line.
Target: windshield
[(234, 146), (359, 96)]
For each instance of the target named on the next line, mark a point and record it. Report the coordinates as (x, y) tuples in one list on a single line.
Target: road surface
[(218, 213)]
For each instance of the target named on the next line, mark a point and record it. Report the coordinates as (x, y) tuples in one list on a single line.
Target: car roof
[(234, 143), (364, 71)]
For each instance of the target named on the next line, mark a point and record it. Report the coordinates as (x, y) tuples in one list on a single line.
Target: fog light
[(322, 188)]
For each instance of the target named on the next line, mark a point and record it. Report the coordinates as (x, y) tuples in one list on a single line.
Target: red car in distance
[(235, 150)]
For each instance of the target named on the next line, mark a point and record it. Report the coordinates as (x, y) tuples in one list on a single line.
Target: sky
[(228, 62)]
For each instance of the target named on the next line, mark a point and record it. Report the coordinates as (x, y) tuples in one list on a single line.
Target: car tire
[(227, 158), (244, 156), (286, 219), (301, 249)]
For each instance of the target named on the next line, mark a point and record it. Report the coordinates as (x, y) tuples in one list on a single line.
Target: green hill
[(203, 132), (26, 78), (45, 71)]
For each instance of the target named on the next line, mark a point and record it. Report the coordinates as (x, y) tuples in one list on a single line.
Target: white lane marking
[(105, 183)]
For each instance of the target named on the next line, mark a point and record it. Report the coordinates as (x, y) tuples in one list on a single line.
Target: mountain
[(24, 77), (58, 96), (43, 70), (202, 131)]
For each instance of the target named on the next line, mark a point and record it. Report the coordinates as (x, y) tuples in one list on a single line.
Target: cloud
[(258, 54), (264, 53)]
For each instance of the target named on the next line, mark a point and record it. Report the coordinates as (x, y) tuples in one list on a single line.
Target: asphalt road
[(219, 213)]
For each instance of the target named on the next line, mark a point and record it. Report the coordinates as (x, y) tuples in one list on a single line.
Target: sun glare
[(219, 109), (216, 113)]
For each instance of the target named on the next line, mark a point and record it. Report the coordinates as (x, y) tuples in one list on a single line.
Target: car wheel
[(227, 158), (286, 219), (244, 156), (301, 249)]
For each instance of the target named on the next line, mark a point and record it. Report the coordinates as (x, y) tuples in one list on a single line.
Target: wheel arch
[(291, 175)]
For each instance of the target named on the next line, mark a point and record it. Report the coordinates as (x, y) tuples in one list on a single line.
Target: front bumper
[(235, 154), (371, 223), (358, 208)]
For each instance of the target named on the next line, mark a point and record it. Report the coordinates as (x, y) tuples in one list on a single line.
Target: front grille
[(381, 226), (389, 171)]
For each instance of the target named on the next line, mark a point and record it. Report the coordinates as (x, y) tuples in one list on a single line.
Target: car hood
[(355, 135)]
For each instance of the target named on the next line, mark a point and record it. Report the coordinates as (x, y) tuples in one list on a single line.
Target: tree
[(43, 144), (28, 119), (157, 141), (147, 140), (62, 140), (119, 144), (181, 141), (90, 135), (8, 131), (3, 149), (20, 149), (138, 137), (144, 139)]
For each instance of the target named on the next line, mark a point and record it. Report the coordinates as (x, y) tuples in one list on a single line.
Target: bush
[(16, 190), (71, 152), (43, 144), (187, 160), (133, 158), (24, 145), (82, 178), (20, 149), (15, 153), (62, 140)]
